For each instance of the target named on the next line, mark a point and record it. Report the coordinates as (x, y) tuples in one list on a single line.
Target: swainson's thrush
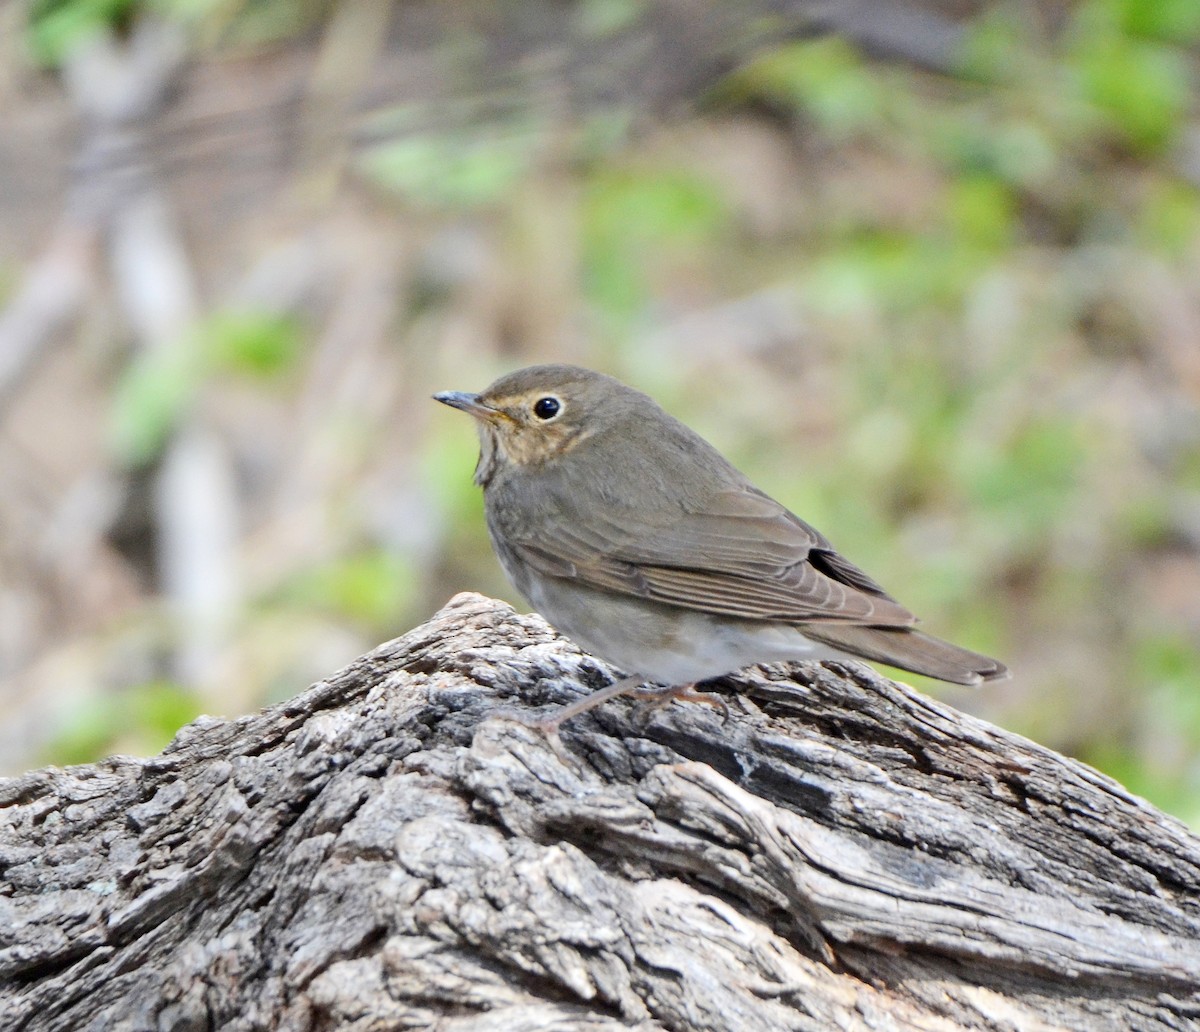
[(634, 537)]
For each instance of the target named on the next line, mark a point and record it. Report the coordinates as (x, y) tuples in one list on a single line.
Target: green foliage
[(601, 133), (151, 396), (454, 447), (826, 78), (139, 720), (899, 271), (255, 22), (1142, 88), (452, 171), (55, 26), (1030, 482), (371, 587), (1170, 218), (258, 344), (998, 49), (636, 219), (1169, 665), (601, 18), (981, 213), (159, 386), (1189, 468), (1172, 21), (1157, 759)]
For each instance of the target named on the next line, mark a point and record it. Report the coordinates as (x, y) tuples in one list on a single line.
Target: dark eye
[(546, 408)]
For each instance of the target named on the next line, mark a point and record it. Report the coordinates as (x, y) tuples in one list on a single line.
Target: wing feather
[(744, 556)]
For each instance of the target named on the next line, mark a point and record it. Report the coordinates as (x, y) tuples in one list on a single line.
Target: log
[(395, 849)]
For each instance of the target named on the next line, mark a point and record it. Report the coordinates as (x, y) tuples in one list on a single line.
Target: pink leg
[(657, 697), (626, 686)]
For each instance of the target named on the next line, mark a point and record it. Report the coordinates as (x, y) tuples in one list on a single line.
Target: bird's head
[(538, 414)]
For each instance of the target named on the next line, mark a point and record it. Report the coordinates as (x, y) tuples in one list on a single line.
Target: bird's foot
[(653, 699)]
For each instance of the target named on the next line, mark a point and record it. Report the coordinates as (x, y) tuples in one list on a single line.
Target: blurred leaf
[(1165, 671), (140, 720), (1171, 217), (982, 212), (254, 343), (451, 171), (1143, 87), (158, 386), (197, 9), (249, 23), (895, 271), (56, 26), (1015, 149), (1173, 21), (602, 132), (654, 206), (824, 77), (1145, 521), (85, 735), (1123, 763), (881, 441), (370, 587), (997, 47), (1170, 664), (634, 219), (1027, 482), (447, 465), (1188, 468), (158, 709), (601, 18), (151, 397)]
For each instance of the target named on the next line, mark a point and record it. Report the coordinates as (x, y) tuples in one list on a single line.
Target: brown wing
[(745, 556)]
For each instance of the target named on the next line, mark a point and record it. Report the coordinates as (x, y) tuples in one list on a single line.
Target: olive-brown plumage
[(636, 538)]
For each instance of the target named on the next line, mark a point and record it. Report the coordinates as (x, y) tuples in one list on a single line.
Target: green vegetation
[(452, 171), (157, 389), (139, 721)]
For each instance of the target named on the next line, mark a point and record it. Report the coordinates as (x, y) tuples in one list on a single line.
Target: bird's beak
[(467, 402)]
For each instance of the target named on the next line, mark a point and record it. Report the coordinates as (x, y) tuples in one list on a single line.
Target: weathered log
[(391, 850)]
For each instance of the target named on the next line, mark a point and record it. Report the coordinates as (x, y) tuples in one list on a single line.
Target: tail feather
[(910, 650)]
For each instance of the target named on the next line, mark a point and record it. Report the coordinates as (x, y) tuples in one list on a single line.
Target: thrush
[(638, 540)]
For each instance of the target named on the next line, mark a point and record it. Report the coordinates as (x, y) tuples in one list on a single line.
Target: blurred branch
[(120, 89), (115, 89), (376, 57), (49, 296), (353, 42), (893, 31)]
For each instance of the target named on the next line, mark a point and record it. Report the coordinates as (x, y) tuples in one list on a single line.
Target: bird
[(636, 539)]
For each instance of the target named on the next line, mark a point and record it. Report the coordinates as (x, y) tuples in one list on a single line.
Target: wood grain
[(391, 850)]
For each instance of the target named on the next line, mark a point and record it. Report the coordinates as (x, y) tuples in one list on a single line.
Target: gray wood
[(389, 850)]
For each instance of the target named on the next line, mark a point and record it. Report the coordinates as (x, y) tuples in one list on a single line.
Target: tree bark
[(393, 850)]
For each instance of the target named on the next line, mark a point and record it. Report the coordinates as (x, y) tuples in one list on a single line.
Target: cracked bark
[(389, 851)]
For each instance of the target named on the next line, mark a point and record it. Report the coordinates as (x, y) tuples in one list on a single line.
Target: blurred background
[(928, 270)]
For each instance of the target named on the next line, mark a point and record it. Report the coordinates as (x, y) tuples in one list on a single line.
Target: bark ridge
[(390, 850)]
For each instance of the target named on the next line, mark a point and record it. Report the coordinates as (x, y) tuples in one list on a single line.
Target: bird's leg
[(654, 698), (651, 698), (625, 686)]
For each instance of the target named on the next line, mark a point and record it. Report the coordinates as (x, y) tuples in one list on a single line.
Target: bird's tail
[(909, 650)]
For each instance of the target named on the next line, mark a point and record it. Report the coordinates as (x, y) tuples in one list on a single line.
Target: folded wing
[(744, 556)]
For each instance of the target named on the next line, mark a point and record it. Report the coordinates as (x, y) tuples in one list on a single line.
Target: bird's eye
[(546, 408)]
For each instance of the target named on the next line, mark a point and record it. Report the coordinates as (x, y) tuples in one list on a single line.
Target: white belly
[(665, 644)]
